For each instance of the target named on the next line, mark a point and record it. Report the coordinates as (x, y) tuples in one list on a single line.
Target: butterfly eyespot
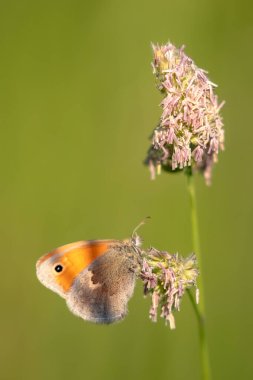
[(58, 268)]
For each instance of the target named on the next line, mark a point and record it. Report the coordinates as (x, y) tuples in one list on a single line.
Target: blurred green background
[(78, 102)]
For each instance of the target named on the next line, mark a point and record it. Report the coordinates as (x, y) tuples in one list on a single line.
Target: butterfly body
[(95, 277)]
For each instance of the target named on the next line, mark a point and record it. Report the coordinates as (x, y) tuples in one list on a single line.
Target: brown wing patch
[(101, 292)]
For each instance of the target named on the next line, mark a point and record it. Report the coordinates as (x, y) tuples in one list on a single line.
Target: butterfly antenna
[(135, 237)]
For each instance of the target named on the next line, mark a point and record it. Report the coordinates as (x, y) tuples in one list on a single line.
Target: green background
[(77, 104)]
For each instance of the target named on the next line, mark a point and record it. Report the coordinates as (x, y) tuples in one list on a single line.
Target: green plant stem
[(200, 308)]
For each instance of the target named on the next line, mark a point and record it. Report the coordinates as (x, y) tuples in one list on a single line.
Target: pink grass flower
[(190, 131), (165, 278)]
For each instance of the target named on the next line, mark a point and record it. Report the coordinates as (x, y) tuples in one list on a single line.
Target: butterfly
[(95, 277)]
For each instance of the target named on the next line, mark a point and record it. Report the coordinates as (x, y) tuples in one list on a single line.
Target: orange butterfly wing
[(75, 257)]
